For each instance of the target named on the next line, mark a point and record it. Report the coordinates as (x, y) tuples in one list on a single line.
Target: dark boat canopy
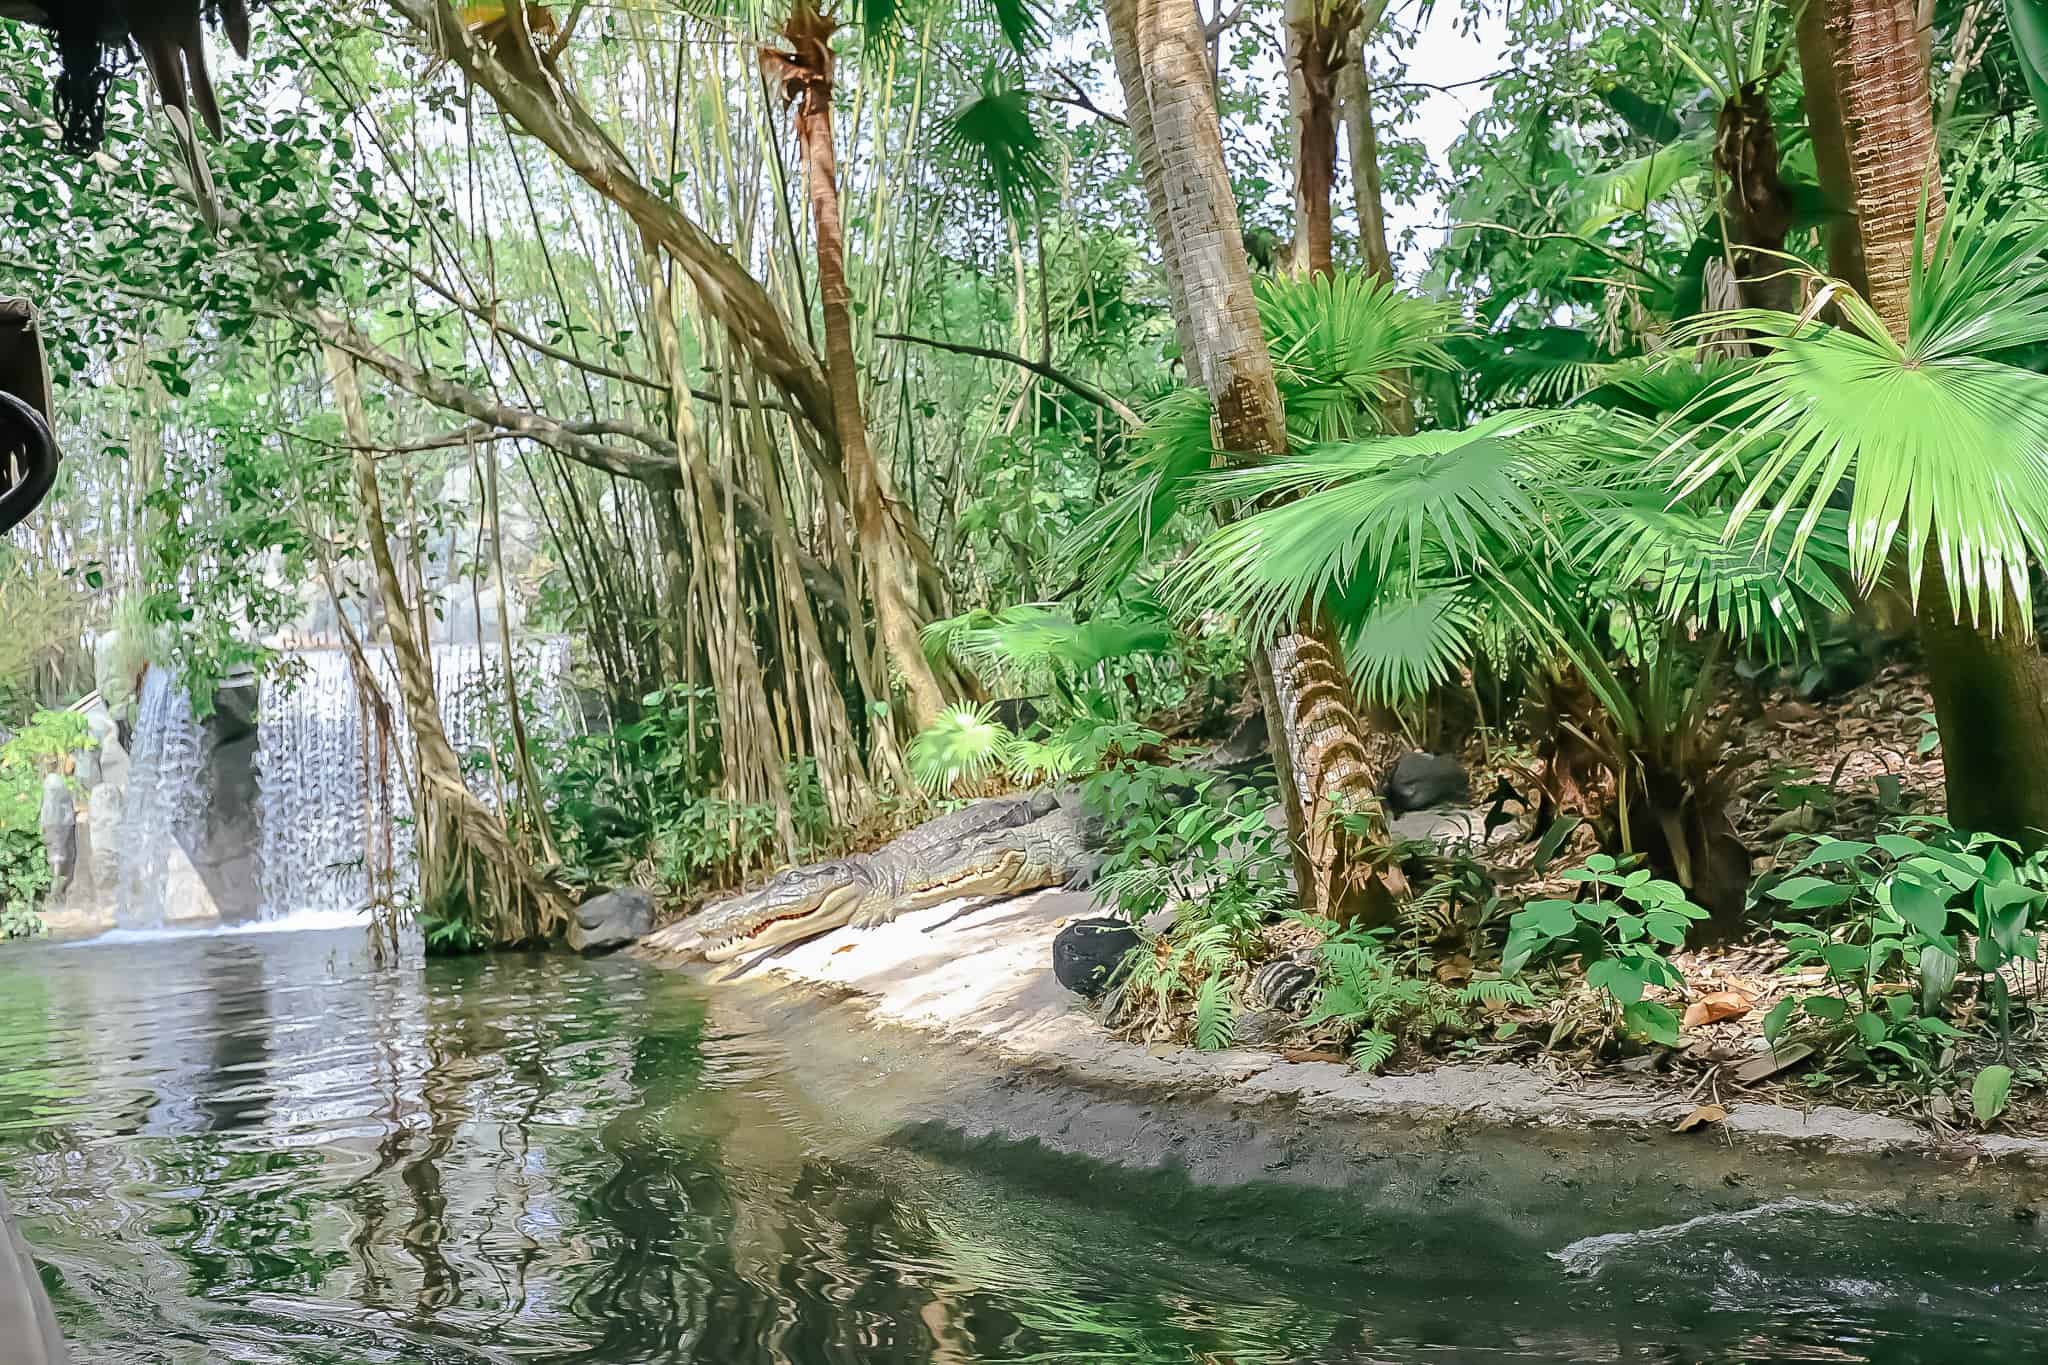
[(28, 450)]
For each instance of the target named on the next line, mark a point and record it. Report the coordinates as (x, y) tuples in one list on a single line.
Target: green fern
[(1215, 1015), (1371, 1050), (1496, 994)]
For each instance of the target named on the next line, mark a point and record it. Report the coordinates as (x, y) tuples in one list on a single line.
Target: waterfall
[(166, 806), (311, 787), (317, 796)]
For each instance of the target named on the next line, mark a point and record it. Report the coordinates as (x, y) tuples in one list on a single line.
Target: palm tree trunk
[(1990, 692), (1354, 86), (1316, 34), (1830, 148), (1323, 760), (1756, 208), (1131, 74), (805, 73)]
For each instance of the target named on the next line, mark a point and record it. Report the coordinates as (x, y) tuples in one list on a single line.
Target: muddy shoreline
[(1023, 1060)]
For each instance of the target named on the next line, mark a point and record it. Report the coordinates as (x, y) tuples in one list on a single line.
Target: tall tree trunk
[(805, 74), (1990, 692), (1830, 149), (1123, 47), (1325, 765), (1354, 88), (1756, 209), (1317, 31), (468, 866)]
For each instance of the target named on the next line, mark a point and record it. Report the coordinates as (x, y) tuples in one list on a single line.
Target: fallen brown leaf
[(1771, 1061), (843, 948), (1715, 1006), (1311, 1054), (1700, 1118)]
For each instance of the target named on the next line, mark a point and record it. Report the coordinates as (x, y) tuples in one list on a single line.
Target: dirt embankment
[(979, 982)]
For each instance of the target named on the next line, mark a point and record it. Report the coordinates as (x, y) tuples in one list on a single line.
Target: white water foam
[(166, 805), (1592, 1255)]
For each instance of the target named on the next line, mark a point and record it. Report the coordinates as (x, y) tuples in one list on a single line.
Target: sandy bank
[(981, 978)]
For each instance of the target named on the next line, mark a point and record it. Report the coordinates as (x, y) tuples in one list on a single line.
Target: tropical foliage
[(880, 405)]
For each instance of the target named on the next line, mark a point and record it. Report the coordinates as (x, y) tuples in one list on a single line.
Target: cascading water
[(166, 800), (311, 788), (317, 795)]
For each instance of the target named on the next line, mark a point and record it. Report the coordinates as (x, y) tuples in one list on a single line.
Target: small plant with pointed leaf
[(1900, 924), (1383, 998), (1618, 934)]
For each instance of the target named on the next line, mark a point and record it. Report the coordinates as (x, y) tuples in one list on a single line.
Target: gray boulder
[(611, 921), (1262, 1028), (1425, 781), (110, 760), (104, 809)]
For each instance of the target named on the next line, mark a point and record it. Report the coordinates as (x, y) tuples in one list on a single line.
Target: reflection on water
[(257, 1150)]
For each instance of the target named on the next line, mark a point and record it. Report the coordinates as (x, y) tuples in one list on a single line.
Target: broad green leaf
[(1827, 1008), (1652, 1021), (1551, 918), (1991, 1092), (1919, 905), (1778, 1018), (1616, 979)]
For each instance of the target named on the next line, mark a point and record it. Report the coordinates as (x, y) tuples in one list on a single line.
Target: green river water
[(257, 1149)]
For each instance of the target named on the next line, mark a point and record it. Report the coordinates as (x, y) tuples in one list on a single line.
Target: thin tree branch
[(1082, 387), (1080, 99), (658, 466)]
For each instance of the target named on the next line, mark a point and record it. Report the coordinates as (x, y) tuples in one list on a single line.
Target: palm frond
[(994, 137), (1176, 443), (1367, 513), (965, 744), (1031, 643), (1931, 440), (1759, 593), (1337, 342), (1021, 22), (1409, 644)]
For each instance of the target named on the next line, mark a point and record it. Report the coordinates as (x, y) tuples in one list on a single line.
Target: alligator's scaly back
[(994, 848)]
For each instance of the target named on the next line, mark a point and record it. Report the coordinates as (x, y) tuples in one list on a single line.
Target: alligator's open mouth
[(807, 919)]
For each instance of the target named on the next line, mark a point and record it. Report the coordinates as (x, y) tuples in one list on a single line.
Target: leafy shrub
[(1898, 923), (713, 841), (1617, 934), (1192, 961), (24, 867), (1384, 997), (640, 797), (1178, 837)]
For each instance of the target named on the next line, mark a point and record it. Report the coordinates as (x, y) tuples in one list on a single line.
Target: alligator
[(987, 850)]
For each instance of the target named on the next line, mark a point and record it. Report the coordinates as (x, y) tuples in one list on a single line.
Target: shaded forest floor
[(1842, 766)]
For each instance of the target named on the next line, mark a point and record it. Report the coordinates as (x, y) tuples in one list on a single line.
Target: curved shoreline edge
[(979, 978)]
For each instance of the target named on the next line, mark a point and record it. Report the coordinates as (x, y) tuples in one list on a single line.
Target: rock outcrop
[(611, 921)]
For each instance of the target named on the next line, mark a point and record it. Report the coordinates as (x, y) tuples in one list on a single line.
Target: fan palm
[(1338, 343), (1938, 446), (1040, 649), (1554, 531)]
